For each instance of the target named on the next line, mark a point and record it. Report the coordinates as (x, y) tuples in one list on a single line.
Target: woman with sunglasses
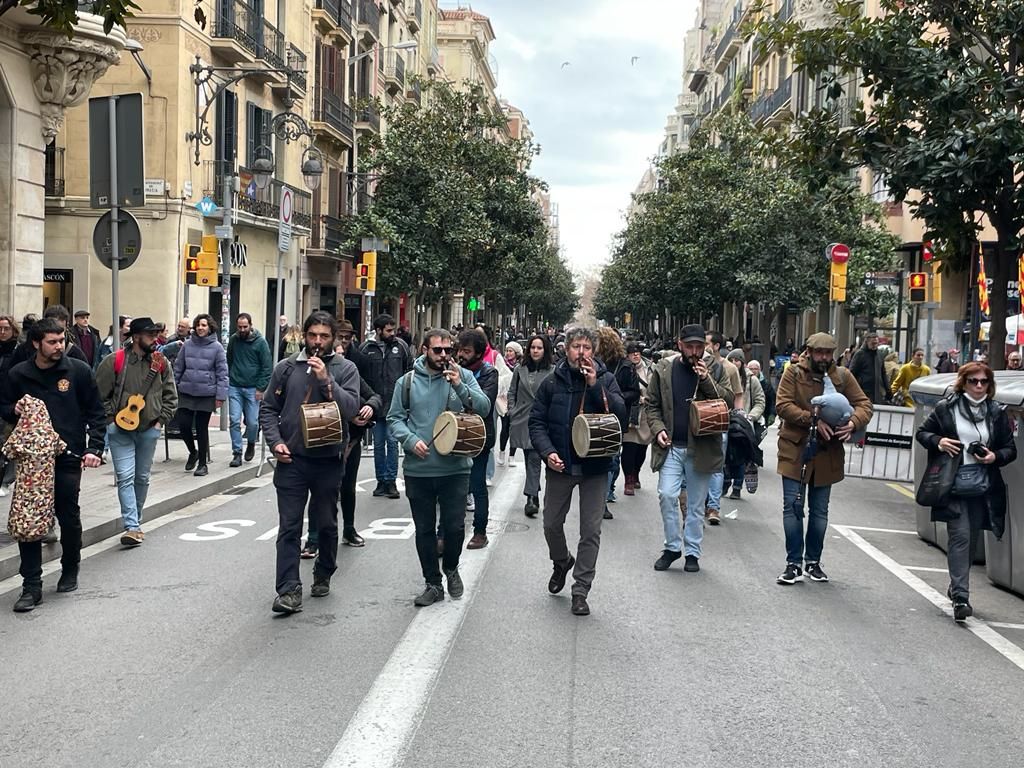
[(974, 430)]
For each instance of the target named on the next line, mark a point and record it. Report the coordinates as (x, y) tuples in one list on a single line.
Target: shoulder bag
[(937, 481)]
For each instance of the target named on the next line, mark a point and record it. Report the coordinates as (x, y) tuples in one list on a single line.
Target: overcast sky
[(599, 119)]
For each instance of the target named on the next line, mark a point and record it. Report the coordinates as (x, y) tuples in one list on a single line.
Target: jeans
[(793, 521), (677, 473), (132, 454), (558, 488), (317, 481), (717, 481), (426, 495), (346, 495), (385, 453), (478, 487), (66, 486), (613, 474), (734, 476), (242, 400), (533, 462), (963, 543)]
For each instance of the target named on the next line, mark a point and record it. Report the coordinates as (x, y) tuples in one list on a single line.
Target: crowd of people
[(701, 405)]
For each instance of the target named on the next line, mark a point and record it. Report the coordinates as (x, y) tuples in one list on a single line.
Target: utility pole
[(115, 220), (225, 279)]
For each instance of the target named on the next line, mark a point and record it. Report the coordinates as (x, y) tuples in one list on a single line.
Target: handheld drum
[(459, 434), (321, 424), (596, 435)]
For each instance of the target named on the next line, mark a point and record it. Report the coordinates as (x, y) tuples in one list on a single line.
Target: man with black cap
[(138, 371), (87, 338), (681, 459), (801, 382)]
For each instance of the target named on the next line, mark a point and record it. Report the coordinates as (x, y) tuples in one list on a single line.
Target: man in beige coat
[(800, 383)]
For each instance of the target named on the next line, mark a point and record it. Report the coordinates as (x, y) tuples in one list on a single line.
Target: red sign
[(838, 253)]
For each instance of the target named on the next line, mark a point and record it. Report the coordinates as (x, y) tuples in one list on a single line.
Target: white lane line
[(1013, 653), (1004, 625), (383, 727), (876, 530), (925, 569)]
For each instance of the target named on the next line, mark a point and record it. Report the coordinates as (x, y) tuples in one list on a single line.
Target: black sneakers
[(30, 598), (321, 586), (814, 572), (381, 489), (193, 459), (236, 460), (434, 593), (667, 558), (557, 582), (351, 538), (250, 451), (455, 585), (289, 602), (579, 606), (692, 564), (735, 494), (608, 513), (791, 575), (68, 581), (392, 490), (532, 506), (961, 612)]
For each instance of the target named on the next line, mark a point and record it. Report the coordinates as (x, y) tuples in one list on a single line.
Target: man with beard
[(67, 388), (389, 359), (579, 384), (681, 459), (249, 369), (313, 375), (472, 347), (868, 368), (433, 481), (129, 372), (800, 383)]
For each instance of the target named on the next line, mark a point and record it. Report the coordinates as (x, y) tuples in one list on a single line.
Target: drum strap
[(604, 397)]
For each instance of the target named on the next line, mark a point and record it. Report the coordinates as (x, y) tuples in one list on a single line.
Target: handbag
[(971, 481), (937, 481), (634, 415)]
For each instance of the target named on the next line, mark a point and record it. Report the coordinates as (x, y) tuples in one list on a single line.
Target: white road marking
[(1004, 625), (926, 569), (875, 530), (217, 531), (379, 733), (1013, 653)]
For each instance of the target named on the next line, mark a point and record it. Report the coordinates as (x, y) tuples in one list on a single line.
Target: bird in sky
[(564, 64), (633, 61)]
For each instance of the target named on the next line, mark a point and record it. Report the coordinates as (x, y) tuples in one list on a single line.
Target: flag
[(982, 284)]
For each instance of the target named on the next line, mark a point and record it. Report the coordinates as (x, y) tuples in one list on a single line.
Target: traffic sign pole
[(225, 283), (115, 223)]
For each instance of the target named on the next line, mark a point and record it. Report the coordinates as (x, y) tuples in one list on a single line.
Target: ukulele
[(128, 417)]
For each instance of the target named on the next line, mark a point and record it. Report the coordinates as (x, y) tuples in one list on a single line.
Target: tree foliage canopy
[(63, 14)]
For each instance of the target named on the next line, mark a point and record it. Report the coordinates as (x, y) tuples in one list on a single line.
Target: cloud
[(600, 119)]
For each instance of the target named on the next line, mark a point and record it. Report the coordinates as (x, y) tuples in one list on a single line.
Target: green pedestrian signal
[(473, 305)]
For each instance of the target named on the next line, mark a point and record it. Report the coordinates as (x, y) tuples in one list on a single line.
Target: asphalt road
[(169, 654)]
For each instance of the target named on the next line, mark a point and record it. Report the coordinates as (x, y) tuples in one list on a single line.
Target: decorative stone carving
[(815, 14), (64, 70)]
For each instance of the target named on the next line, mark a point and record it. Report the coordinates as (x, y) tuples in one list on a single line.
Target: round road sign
[(838, 253), (286, 206), (129, 240)]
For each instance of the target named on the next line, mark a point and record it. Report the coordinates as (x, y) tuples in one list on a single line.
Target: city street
[(169, 654)]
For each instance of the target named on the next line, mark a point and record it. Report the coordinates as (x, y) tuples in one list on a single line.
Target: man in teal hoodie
[(435, 384), (249, 369)]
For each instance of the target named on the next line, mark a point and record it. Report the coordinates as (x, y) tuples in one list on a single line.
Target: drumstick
[(439, 433)]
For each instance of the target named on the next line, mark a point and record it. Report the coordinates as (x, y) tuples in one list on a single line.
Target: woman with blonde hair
[(291, 342), (974, 432)]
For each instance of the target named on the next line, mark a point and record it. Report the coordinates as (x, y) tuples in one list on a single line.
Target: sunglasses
[(978, 382), (345, 336), (441, 350)]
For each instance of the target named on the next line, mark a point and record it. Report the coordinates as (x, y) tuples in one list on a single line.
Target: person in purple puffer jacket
[(201, 373)]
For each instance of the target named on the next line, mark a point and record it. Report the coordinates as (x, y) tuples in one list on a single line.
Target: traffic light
[(192, 264), (918, 284), (201, 267), (366, 272), (936, 283), (837, 281), (472, 305)]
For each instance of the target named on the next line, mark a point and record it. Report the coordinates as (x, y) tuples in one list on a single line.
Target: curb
[(10, 563)]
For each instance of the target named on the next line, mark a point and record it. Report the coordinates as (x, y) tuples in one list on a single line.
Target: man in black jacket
[(580, 384), (67, 388), (472, 346), (389, 359), (58, 313), (867, 367), (87, 338)]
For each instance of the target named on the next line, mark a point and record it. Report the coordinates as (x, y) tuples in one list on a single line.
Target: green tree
[(63, 14), (946, 124)]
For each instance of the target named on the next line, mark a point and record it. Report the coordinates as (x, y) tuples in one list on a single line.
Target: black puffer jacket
[(558, 403), (942, 423)]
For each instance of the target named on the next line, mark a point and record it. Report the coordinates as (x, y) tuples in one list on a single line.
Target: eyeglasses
[(441, 350), (345, 337), (978, 382)]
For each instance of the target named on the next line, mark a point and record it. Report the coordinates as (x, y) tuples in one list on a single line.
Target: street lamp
[(312, 168), (263, 166), (406, 45)]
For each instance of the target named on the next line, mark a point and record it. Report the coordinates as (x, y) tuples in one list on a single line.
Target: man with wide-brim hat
[(138, 370), (814, 374), (682, 459)]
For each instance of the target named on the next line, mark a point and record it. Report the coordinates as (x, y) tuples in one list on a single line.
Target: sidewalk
[(170, 489)]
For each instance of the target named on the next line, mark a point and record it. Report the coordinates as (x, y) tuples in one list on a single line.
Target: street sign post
[(284, 232)]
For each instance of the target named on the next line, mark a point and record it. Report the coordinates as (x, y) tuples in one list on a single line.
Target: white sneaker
[(2, 491), (501, 458), (489, 482), (470, 503), (511, 461)]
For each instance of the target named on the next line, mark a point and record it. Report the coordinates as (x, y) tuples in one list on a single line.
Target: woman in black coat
[(974, 430)]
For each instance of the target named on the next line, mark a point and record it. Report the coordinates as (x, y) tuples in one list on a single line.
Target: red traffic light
[(918, 279), (191, 265), (362, 270)]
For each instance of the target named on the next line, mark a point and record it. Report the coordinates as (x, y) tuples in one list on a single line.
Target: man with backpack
[(123, 379)]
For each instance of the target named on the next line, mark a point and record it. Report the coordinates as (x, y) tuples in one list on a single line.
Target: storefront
[(58, 288)]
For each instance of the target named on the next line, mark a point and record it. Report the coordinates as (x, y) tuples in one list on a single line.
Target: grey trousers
[(533, 462), (557, 500), (963, 542)]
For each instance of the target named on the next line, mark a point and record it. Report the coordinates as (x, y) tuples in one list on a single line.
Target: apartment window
[(880, 188), (256, 125), (226, 143)]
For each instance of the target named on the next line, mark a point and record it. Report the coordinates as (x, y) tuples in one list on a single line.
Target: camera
[(977, 449)]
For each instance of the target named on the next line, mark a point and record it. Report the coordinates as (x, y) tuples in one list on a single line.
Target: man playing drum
[(580, 385), (436, 384), (304, 416), (680, 458)]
